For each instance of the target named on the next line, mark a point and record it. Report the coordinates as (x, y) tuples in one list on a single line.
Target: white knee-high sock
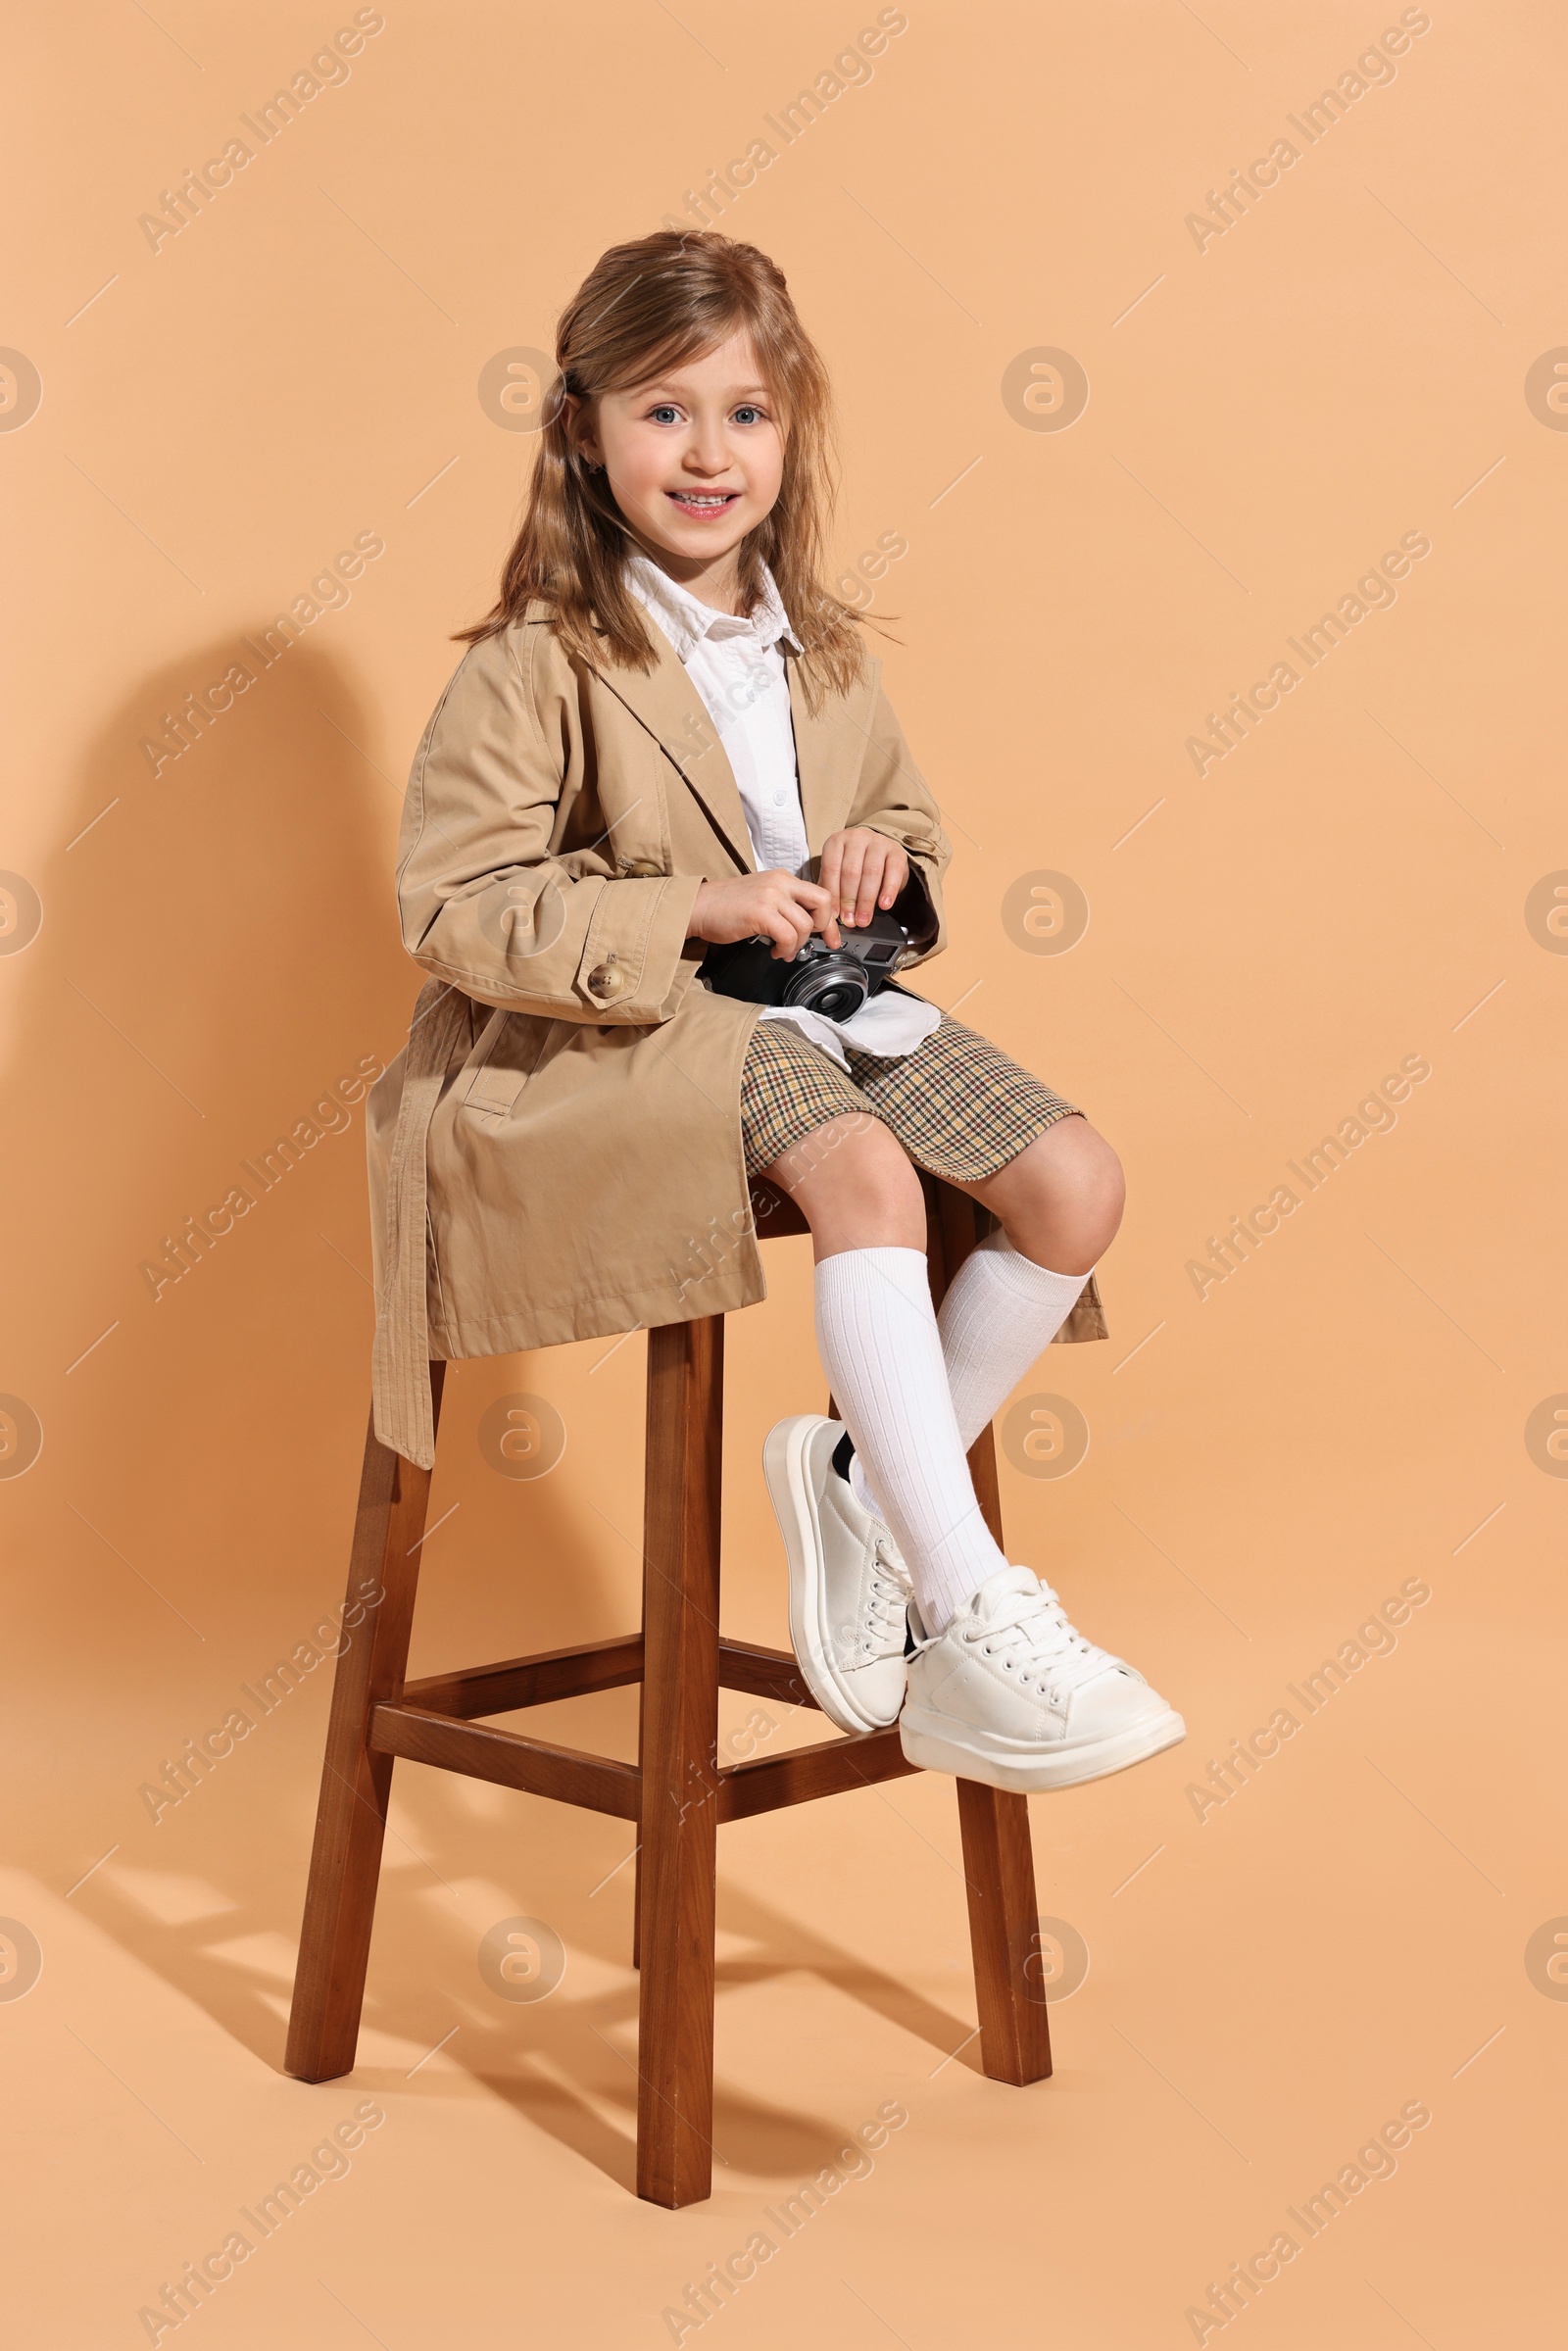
[(877, 1335), (1001, 1311)]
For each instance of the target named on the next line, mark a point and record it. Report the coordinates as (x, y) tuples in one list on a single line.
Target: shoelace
[(1038, 1627), (890, 1563), (887, 1600)]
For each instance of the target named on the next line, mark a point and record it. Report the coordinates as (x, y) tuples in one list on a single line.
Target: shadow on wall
[(217, 950)]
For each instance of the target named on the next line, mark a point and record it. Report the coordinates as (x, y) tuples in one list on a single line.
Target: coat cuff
[(635, 964), (919, 903)]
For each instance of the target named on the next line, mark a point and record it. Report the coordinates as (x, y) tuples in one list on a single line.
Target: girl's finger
[(872, 874), (785, 927), (849, 890), (813, 905), (832, 858), (894, 875)]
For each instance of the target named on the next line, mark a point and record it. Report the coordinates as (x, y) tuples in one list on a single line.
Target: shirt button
[(778, 800)]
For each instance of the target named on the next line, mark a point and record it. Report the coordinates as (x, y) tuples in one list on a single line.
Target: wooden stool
[(677, 1793)]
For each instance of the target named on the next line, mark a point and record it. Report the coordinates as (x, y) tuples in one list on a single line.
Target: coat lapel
[(664, 701), (829, 749)]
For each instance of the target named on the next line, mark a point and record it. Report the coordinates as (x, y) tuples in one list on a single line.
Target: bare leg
[(854, 1185), (1061, 1199)]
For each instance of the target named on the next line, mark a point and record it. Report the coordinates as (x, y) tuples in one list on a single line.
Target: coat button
[(606, 980), (638, 870)]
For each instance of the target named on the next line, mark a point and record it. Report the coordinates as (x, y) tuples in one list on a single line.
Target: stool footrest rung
[(571, 1776), (517, 1682), (764, 1673), (482, 1752), (476, 1690), (858, 1760)]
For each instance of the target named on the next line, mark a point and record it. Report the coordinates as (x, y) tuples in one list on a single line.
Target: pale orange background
[(1343, 366)]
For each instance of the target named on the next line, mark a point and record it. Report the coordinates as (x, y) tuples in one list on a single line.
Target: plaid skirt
[(958, 1105)]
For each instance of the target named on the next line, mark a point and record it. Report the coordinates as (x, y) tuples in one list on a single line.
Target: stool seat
[(677, 1791)]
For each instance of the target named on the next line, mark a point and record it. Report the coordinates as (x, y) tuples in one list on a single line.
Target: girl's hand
[(776, 905), (861, 870)]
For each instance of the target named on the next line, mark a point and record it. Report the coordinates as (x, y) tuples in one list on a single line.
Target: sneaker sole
[(929, 1740), (793, 1501)]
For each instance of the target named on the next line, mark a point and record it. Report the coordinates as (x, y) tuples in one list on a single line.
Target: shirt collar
[(686, 620)]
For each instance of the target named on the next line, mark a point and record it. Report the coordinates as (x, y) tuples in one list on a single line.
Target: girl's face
[(694, 459)]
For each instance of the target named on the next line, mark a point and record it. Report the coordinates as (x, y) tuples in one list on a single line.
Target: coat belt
[(399, 1370)]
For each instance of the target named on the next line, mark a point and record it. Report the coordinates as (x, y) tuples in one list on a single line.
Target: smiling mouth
[(702, 502)]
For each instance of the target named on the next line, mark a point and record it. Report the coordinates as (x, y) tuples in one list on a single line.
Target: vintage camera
[(834, 981)]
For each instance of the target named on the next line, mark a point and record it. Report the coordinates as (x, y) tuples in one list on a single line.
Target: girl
[(669, 737)]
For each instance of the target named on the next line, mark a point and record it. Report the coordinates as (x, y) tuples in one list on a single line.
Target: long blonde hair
[(644, 307)]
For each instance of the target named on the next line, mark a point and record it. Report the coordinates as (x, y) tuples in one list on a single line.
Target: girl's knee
[(1064, 1202), (855, 1186), (868, 1160), (1095, 1181)]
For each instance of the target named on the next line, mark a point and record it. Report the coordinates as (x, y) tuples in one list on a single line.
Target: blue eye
[(748, 415), (667, 411)]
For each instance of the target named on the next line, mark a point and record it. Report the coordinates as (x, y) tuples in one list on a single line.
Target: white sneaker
[(849, 1586), (1011, 1695)]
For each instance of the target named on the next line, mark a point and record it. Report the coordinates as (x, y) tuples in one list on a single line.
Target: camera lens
[(834, 986)]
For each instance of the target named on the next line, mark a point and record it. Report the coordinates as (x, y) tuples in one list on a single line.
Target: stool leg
[(637, 1868), (351, 1817), (998, 1863), (679, 1747), (997, 1854)]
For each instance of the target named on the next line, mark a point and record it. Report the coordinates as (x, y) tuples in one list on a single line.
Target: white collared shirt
[(737, 668)]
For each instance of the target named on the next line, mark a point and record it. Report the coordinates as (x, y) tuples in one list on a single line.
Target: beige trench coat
[(555, 1153)]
